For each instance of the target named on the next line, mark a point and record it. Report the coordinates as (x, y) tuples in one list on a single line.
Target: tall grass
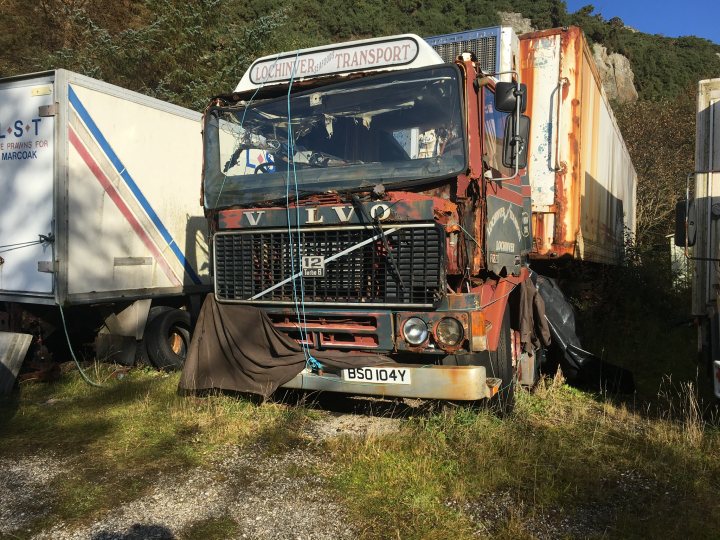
[(564, 462)]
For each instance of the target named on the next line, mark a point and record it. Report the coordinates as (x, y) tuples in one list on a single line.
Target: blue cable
[(310, 360)]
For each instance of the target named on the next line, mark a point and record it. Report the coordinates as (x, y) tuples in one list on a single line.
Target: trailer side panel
[(583, 180), (132, 185), (117, 186)]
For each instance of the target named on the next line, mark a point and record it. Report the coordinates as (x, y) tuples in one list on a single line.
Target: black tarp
[(236, 347), (578, 365)]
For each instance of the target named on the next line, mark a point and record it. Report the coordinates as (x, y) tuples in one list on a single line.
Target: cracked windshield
[(394, 128)]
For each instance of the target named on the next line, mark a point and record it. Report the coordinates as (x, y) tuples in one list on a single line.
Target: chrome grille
[(251, 266)]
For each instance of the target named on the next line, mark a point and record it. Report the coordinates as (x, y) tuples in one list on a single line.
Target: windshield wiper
[(360, 209)]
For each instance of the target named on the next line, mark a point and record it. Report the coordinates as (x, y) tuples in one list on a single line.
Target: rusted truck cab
[(371, 196)]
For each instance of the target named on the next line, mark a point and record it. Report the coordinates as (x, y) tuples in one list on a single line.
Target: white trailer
[(699, 232), (101, 209), (583, 180)]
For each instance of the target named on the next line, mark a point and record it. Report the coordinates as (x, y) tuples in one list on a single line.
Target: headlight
[(415, 331), (449, 331)]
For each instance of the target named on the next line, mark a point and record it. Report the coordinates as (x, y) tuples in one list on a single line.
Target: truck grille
[(254, 262)]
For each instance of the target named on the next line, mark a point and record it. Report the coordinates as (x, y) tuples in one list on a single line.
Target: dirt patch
[(353, 425)]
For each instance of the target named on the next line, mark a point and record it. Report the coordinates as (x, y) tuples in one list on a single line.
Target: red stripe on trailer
[(120, 203)]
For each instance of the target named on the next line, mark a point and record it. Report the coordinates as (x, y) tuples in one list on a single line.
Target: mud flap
[(13, 348)]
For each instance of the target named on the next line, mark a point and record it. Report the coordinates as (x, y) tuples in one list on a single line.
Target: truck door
[(26, 186), (507, 231)]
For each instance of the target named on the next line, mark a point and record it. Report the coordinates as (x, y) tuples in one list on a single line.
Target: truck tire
[(167, 339), (501, 366), (497, 364)]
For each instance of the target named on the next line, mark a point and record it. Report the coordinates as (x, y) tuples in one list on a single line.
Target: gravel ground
[(264, 494), (23, 496)]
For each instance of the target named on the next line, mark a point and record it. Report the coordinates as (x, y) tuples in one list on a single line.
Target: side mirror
[(515, 144), (507, 96), (680, 219)]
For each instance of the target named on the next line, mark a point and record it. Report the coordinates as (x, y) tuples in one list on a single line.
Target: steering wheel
[(263, 167)]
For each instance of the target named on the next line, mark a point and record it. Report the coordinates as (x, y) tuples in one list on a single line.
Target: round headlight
[(449, 331), (415, 331)]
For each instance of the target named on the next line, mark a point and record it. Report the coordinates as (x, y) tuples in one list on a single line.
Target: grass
[(609, 470), (449, 472)]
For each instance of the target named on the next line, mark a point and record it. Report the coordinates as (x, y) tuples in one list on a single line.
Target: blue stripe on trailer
[(125, 175)]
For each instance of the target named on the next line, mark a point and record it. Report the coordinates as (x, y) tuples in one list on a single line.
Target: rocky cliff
[(617, 75)]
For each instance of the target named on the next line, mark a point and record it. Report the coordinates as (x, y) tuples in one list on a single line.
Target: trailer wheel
[(167, 339)]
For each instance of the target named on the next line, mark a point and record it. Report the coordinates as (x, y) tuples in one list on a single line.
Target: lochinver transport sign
[(397, 52)]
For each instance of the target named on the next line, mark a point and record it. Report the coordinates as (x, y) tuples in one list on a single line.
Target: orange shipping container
[(583, 181)]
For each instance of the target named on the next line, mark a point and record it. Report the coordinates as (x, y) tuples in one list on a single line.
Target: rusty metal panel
[(582, 178), (541, 62)]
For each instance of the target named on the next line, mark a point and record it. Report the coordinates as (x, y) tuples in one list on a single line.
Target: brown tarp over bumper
[(236, 347)]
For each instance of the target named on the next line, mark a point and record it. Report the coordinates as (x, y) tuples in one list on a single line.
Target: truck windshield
[(401, 127)]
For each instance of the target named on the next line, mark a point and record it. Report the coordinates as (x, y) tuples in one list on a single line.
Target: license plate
[(380, 375)]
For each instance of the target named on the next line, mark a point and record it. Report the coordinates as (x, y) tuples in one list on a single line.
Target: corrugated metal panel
[(13, 348), (582, 178), (483, 43), (494, 48)]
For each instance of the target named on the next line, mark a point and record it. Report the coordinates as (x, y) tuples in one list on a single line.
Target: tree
[(660, 136)]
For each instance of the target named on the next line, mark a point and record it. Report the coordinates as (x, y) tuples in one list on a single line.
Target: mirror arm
[(687, 226), (515, 138)]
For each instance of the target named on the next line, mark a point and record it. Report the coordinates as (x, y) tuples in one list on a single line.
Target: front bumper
[(461, 383)]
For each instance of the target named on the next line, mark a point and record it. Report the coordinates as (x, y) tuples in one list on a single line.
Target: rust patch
[(230, 219), (569, 174), (472, 118), (440, 198), (494, 298)]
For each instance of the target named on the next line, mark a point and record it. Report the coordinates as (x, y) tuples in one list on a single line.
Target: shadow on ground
[(137, 532)]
